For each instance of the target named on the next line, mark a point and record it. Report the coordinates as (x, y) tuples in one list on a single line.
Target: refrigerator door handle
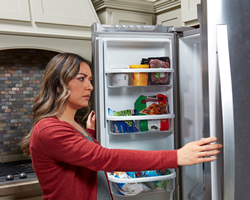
[(227, 112)]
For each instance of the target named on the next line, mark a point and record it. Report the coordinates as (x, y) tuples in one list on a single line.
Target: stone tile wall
[(21, 73)]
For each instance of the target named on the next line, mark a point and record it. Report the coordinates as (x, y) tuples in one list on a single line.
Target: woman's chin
[(84, 105)]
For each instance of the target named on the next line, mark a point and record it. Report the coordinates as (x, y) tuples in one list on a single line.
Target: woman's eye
[(81, 79)]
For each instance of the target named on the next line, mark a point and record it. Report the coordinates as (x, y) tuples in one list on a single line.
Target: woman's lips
[(86, 97)]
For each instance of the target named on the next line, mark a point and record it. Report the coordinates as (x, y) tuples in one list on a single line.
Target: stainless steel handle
[(227, 112)]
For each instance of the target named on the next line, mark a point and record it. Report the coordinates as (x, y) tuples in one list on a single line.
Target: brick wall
[(21, 73)]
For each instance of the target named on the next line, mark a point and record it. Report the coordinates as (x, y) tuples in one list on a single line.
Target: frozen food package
[(159, 78), (153, 105), (143, 124), (152, 173), (129, 112), (139, 78), (120, 79), (127, 126), (128, 189), (133, 174)]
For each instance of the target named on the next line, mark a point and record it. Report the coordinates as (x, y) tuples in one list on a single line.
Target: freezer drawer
[(143, 187)]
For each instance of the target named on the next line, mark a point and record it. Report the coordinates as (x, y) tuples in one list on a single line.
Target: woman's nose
[(90, 86)]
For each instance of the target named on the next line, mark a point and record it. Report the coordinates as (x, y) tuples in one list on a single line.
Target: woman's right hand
[(197, 152)]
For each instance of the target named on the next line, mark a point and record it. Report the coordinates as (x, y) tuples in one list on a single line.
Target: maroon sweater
[(66, 163)]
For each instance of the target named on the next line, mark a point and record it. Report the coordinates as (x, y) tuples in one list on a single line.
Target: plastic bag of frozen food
[(127, 126), (128, 189), (153, 105), (152, 173)]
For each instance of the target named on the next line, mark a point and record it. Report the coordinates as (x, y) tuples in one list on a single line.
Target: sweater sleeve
[(62, 143)]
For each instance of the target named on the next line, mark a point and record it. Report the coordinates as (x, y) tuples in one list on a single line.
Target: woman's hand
[(90, 124), (194, 152)]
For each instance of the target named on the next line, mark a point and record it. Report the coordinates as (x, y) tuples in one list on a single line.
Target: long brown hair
[(59, 71)]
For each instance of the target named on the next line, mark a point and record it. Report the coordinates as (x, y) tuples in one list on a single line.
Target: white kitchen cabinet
[(189, 12), (123, 12), (170, 18), (113, 16), (15, 10), (73, 12), (81, 47), (48, 18), (128, 17)]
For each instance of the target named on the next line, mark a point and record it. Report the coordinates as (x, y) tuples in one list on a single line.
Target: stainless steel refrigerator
[(207, 95)]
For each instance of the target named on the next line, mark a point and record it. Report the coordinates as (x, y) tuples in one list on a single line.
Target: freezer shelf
[(113, 129), (131, 86), (139, 117), (147, 182), (137, 78), (144, 132), (150, 70)]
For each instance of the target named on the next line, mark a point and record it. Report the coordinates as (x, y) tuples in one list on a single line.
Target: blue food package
[(153, 173), (127, 126), (133, 174), (124, 127)]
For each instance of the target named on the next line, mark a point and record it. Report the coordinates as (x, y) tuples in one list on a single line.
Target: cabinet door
[(171, 18), (73, 12), (127, 18), (189, 12), (15, 10)]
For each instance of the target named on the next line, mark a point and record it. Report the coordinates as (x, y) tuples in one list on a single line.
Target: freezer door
[(190, 107), (111, 52)]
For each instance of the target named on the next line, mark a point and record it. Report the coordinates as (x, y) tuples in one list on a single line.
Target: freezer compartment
[(151, 126), (142, 186)]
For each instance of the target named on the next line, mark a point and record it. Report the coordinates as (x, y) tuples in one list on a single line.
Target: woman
[(66, 157)]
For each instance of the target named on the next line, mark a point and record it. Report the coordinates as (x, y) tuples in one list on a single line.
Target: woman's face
[(80, 87)]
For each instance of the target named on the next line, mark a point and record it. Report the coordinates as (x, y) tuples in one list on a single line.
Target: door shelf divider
[(147, 86), (139, 133), (150, 70), (172, 175), (139, 117)]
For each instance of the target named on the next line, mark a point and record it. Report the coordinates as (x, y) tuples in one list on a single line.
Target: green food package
[(152, 173), (130, 112), (139, 107), (163, 184)]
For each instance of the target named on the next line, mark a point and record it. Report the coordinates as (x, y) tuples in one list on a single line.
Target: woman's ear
[(58, 90)]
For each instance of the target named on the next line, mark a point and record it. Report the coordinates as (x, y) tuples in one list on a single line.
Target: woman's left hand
[(90, 124)]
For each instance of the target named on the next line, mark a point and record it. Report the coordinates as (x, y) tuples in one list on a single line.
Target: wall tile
[(21, 73)]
